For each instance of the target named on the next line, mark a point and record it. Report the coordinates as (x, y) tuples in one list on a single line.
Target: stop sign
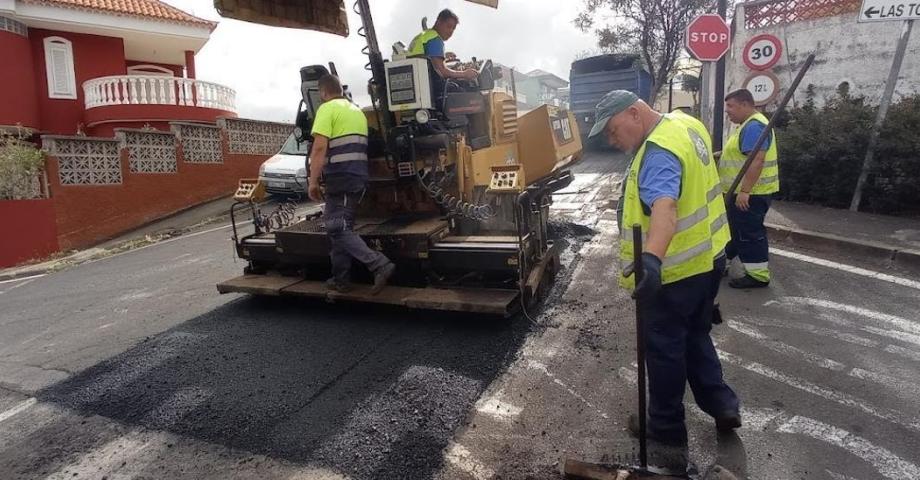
[(708, 37)]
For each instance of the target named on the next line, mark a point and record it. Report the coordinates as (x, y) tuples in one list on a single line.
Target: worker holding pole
[(672, 191), (748, 204)]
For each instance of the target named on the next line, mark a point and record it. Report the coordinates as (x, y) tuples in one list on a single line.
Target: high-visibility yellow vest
[(700, 207), (732, 161), (417, 46), (345, 125)]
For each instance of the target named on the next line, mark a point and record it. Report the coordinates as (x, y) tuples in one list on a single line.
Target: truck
[(590, 78), (460, 185)]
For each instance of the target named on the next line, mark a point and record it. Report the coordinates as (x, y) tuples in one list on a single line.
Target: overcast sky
[(262, 63)]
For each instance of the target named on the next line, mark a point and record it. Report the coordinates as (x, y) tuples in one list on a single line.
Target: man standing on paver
[(672, 191), (339, 156), (748, 205)]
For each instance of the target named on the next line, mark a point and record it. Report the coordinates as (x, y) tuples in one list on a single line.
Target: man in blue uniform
[(672, 191), (431, 44)]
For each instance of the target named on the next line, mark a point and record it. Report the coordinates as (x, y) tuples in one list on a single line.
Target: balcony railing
[(157, 90)]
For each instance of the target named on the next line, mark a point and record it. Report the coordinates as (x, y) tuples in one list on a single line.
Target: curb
[(826, 241)]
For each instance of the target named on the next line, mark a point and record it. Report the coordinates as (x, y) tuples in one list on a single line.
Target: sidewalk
[(881, 237), (184, 222)]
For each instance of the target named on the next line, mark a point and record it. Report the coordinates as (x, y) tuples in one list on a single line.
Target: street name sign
[(708, 37), (889, 10)]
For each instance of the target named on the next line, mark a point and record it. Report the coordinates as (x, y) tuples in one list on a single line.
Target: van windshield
[(290, 147)]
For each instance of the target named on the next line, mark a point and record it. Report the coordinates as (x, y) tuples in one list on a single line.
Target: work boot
[(338, 286), (747, 282), (669, 440), (382, 276), (728, 421)]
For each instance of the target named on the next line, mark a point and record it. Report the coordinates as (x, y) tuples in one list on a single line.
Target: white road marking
[(785, 348), (761, 419), (904, 352), (22, 279), (541, 367), (461, 458), (14, 287), (904, 282), (824, 332), (106, 459), (893, 383), (887, 463), (19, 407), (839, 476), (826, 393), (899, 323), (496, 408)]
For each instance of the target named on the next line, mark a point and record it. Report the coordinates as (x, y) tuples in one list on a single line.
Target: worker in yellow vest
[(748, 205), (430, 43), (672, 191)]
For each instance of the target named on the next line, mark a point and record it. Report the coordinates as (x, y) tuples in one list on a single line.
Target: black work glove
[(651, 281)]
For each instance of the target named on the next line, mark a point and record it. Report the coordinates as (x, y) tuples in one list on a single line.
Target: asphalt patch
[(372, 392)]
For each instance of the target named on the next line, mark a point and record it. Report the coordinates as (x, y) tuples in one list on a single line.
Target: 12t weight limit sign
[(762, 52)]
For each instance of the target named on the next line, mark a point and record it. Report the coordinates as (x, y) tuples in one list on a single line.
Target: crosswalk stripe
[(19, 407), (828, 394)]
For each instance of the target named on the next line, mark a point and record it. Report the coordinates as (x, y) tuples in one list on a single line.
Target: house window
[(59, 67)]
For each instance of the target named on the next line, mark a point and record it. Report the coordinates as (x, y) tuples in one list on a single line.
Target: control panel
[(506, 179), (408, 84)]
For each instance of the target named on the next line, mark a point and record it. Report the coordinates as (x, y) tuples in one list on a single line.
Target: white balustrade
[(157, 90)]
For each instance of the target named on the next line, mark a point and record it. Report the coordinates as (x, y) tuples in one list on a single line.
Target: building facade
[(846, 52), (90, 66)]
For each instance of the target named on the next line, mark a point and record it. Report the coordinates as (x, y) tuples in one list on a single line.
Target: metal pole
[(671, 95), (766, 131), (882, 112), (640, 345), (706, 91), (718, 112)]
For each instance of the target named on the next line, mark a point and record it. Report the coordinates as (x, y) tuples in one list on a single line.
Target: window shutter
[(60, 68)]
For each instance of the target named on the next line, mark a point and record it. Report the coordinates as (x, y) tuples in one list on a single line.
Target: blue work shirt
[(749, 135), (434, 48), (659, 175)]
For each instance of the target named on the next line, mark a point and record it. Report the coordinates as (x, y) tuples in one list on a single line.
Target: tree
[(691, 84), (652, 28)]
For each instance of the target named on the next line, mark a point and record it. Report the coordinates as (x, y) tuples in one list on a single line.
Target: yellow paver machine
[(460, 183)]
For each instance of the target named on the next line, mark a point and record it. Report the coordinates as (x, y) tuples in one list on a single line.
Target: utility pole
[(882, 112), (718, 112)]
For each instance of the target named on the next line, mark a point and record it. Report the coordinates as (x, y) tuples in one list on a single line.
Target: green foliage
[(20, 165), (822, 149), (652, 28)]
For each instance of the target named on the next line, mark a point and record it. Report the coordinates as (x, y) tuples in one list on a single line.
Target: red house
[(90, 66)]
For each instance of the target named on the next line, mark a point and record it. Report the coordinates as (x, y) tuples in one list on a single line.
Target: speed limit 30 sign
[(762, 52)]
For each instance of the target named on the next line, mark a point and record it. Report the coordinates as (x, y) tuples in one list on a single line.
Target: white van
[(285, 173)]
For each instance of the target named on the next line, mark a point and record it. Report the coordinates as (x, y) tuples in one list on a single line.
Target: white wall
[(846, 51)]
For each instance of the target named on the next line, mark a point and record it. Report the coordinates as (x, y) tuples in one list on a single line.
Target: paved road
[(133, 367)]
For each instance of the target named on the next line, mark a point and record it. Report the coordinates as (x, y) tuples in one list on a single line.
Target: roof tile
[(151, 9)]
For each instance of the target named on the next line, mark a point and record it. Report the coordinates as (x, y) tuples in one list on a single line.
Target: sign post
[(876, 11), (708, 38)]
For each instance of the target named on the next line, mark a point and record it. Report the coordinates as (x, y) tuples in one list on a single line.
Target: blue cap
[(610, 105)]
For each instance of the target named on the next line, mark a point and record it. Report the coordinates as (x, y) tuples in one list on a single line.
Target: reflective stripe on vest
[(699, 207), (417, 45), (733, 159)]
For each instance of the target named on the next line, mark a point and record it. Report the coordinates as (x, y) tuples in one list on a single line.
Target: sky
[(262, 63)]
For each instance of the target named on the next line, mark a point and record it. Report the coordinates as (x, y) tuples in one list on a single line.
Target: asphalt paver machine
[(460, 186)]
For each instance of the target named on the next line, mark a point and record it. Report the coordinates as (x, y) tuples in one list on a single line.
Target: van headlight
[(302, 173), (262, 170), (422, 116)]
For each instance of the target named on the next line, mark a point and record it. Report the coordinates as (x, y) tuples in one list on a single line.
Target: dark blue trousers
[(345, 244), (749, 236), (679, 351)]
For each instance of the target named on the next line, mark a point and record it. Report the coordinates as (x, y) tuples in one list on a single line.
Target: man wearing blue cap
[(672, 191)]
